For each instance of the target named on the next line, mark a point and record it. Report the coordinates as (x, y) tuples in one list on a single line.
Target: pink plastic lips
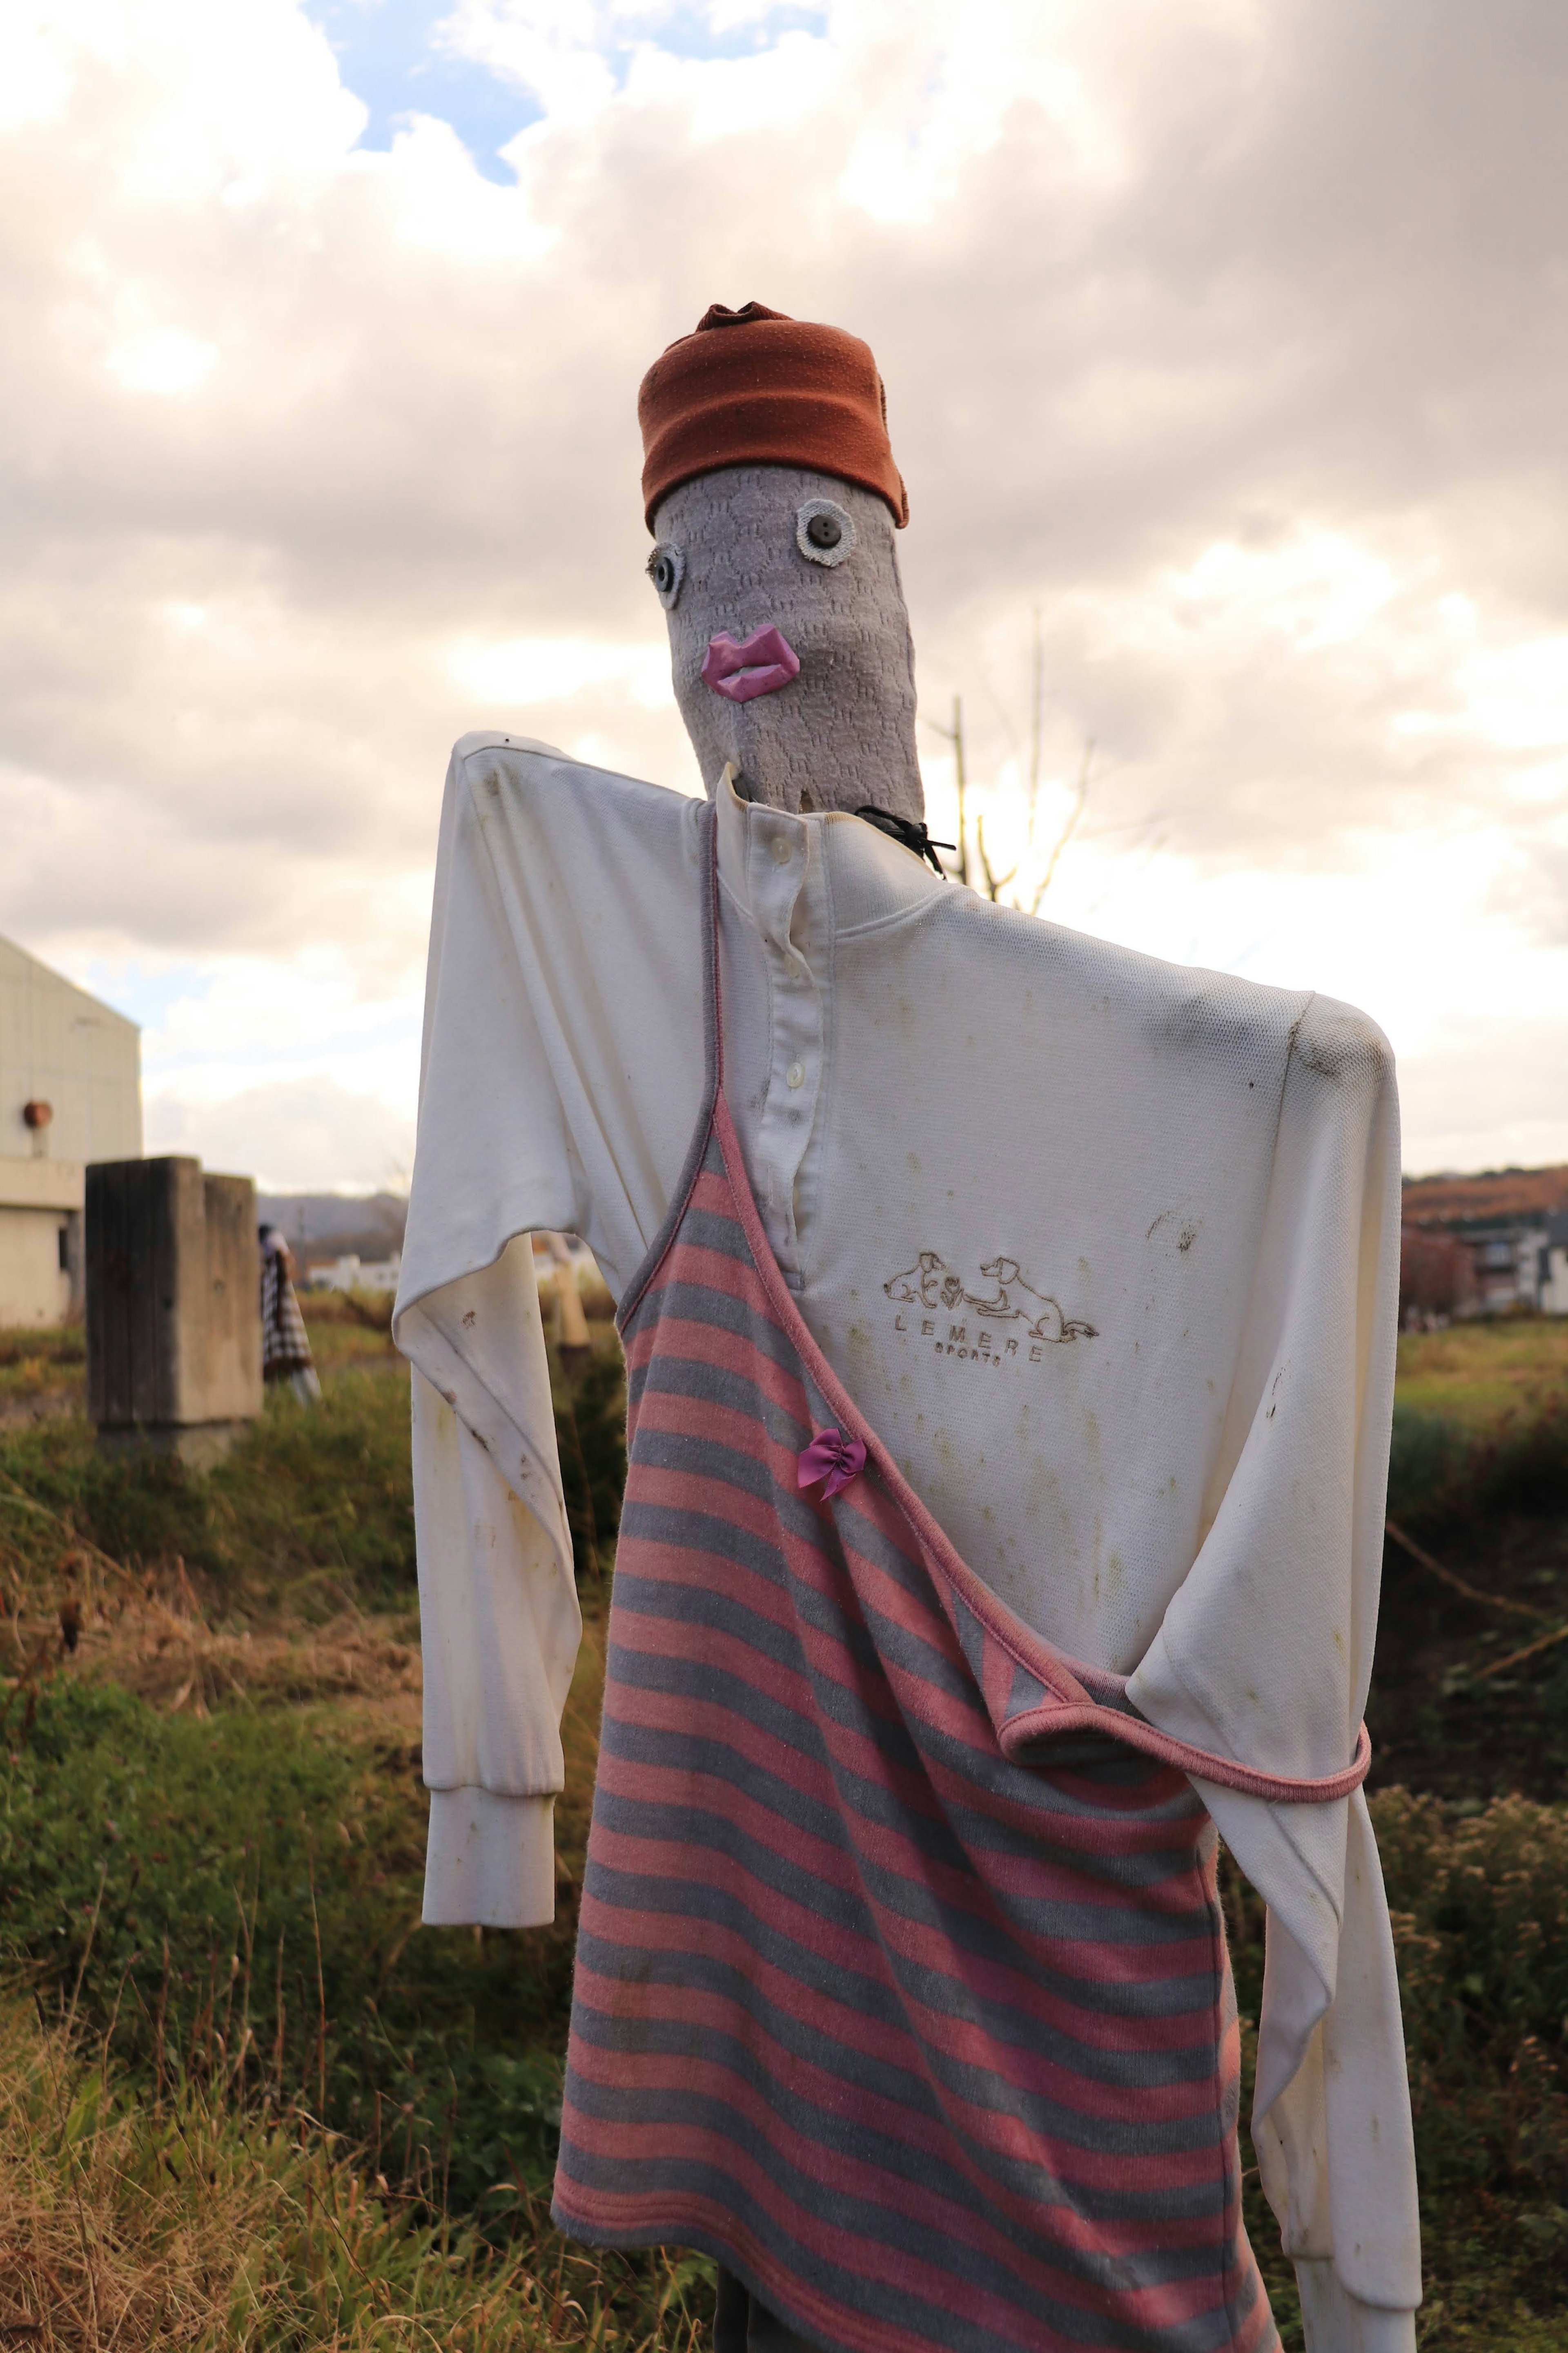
[(764, 662)]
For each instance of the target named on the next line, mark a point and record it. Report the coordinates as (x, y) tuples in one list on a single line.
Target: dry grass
[(43, 1373), (173, 1659), (149, 1631), (43, 1368), (128, 2225), (349, 1327)]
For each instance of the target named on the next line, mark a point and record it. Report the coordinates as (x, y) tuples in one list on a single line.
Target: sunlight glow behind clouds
[(1319, 589), (161, 360), (1226, 337)]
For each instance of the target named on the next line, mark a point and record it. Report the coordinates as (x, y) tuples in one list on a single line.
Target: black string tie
[(911, 835)]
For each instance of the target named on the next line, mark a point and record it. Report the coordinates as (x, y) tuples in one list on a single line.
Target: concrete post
[(174, 1317)]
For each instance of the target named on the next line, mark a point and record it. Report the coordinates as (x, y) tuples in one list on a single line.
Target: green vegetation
[(193, 2220), (252, 2103), (1481, 1423), (1479, 1898), (41, 1370), (316, 1506), (1482, 1374), (211, 1855)]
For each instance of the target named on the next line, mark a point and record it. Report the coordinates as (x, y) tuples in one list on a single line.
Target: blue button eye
[(666, 569)]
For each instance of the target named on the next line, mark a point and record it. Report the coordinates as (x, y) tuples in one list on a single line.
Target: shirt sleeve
[(1265, 1654), (559, 1088)]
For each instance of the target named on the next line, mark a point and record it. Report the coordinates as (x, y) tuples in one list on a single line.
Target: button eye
[(666, 570), (824, 533)]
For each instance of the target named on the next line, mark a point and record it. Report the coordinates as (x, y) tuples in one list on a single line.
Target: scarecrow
[(940, 1650), (285, 1343)]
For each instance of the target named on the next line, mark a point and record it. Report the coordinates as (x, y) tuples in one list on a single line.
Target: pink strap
[(1056, 1717), (1068, 1704)]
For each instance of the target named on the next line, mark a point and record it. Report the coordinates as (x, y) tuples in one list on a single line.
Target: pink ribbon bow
[(832, 1458)]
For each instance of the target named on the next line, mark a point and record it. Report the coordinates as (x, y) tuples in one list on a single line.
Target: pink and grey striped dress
[(901, 1986)]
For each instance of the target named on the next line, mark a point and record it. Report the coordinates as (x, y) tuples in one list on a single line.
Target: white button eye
[(823, 531), (666, 570)]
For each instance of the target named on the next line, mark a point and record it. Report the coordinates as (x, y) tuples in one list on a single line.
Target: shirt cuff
[(1335, 2321), (491, 1862)]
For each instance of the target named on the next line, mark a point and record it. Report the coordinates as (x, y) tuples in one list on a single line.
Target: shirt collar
[(872, 880)]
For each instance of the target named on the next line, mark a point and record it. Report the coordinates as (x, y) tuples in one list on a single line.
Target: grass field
[(1483, 1373), (247, 2101)]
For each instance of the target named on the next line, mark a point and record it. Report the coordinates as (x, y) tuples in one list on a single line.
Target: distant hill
[(335, 1225), (1495, 1193)]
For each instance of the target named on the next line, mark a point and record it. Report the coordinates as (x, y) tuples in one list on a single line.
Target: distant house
[(355, 1273), (71, 1091), (1485, 1245), (1552, 1269)]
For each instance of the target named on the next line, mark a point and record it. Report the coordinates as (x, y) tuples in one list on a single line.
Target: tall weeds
[(131, 2222)]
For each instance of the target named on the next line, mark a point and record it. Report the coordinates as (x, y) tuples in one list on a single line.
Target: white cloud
[(1227, 337), (551, 50), (161, 360), (306, 1133), (524, 672)]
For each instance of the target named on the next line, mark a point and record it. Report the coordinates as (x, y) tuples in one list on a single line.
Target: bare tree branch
[(994, 883), (1080, 800)]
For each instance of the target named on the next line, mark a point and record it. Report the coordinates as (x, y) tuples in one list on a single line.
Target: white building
[(353, 1273), (1520, 1262), (71, 1091), (1552, 1264)]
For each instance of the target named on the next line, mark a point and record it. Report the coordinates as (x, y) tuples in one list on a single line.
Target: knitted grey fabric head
[(814, 556)]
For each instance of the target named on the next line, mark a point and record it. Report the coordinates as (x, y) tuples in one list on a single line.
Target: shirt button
[(782, 852), (795, 1075)]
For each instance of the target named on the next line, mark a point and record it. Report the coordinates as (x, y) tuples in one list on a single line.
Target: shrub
[(1479, 1900), (318, 1503), (1428, 1456), (1440, 1468), (324, 1496), (236, 1903), (1480, 1912)]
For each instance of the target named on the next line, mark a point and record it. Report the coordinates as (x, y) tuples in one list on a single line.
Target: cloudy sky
[(1227, 337)]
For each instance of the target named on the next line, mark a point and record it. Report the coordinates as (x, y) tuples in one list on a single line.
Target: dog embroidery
[(1014, 1297), (931, 1282)]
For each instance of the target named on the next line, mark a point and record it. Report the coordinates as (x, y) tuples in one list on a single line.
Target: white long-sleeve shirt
[(1200, 1173)]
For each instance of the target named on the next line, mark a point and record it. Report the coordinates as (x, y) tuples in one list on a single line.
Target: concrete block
[(174, 1318)]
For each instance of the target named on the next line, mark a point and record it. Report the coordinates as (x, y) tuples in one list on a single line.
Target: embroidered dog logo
[(1016, 1297), (931, 1283)]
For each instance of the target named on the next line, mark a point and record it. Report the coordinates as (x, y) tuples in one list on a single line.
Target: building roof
[(1495, 1195)]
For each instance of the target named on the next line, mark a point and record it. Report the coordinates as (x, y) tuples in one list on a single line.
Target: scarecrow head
[(773, 498)]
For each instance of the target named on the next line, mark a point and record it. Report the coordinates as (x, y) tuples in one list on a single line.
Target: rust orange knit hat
[(752, 387)]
